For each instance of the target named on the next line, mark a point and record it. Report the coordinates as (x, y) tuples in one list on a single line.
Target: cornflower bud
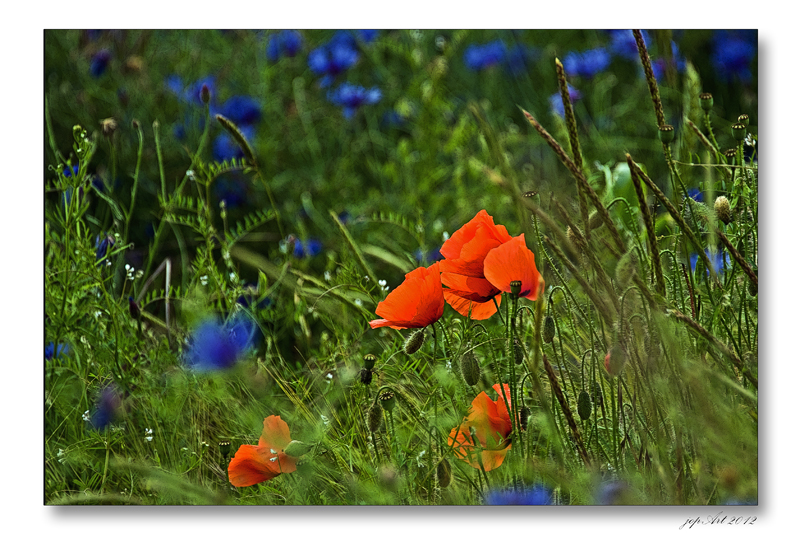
[(205, 94)]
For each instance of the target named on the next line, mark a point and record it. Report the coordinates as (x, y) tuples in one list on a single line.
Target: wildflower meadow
[(401, 267)]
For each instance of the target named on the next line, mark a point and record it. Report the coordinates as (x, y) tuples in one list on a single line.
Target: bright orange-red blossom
[(492, 425), (512, 261), (254, 464), (462, 267), (416, 303)]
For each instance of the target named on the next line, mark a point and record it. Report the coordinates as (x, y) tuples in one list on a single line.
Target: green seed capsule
[(549, 329), (744, 119), (584, 405), (706, 101), (738, 131), (369, 361), (666, 133), (387, 399), (470, 369), (224, 448)]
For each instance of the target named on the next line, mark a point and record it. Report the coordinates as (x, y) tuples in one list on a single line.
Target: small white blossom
[(419, 228), (139, 274), (329, 376), (382, 282), (328, 276), (445, 235), (325, 419), (190, 174), (148, 434), (86, 416), (357, 302), (203, 280), (98, 314), (749, 140), (232, 275), (108, 262)]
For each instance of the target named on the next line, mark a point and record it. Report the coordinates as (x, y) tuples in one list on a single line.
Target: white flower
[(357, 302), (325, 419), (445, 235), (203, 280), (329, 376), (328, 275), (232, 275), (148, 434), (190, 174), (86, 416), (419, 228)]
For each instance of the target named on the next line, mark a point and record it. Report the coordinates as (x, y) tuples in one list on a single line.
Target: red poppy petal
[(275, 434), (513, 261), (480, 311), (249, 466), (416, 303)]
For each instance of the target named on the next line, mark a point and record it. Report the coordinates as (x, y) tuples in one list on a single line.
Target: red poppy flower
[(254, 464), (492, 425), (416, 303), (462, 268), (512, 261)]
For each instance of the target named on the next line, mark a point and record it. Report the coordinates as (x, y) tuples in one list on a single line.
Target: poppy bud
[(597, 394), (744, 119), (414, 342), (738, 131), (374, 417), (225, 448), (297, 449), (584, 405), (470, 369), (365, 376), (369, 361), (706, 102), (666, 133), (387, 399), (133, 308), (723, 209), (135, 124), (615, 360), (549, 329), (519, 352), (524, 415), (205, 94), (443, 472)]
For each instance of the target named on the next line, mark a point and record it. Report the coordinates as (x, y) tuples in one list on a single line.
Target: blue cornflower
[(333, 58), (307, 248), (518, 57), (99, 63), (623, 43), (718, 260), (102, 246), (431, 257), (242, 110), (51, 351), (216, 346), (107, 408), (613, 493), (483, 56), (231, 190), (367, 36), (536, 495), (660, 64), (733, 53), (557, 104), (225, 148), (351, 97), (73, 171), (695, 194), (284, 43), (587, 63)]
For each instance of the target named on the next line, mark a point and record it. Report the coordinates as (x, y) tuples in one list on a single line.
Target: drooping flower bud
[(584, 405), (470, 369), (615, 360), (524, 415), (374, 418), (519, 352), (549, 329), (414, 342), (723, 209), (595, 220), (444, 473)]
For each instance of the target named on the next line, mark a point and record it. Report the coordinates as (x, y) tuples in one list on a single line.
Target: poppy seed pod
[(516, 287), (738, 131), (225, 448), (374, 417), (666, 133), (369, 361), (723, 209), (387, 399), (414, 342), (744, 119), (549, 329), (706, 102), (470, 369), (730, 153)]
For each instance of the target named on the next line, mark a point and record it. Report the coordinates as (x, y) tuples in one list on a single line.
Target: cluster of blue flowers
[(51, 350), (483, 56), (536, 495), (588, 63), (284, 43), (216, 346), (732, 54)]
